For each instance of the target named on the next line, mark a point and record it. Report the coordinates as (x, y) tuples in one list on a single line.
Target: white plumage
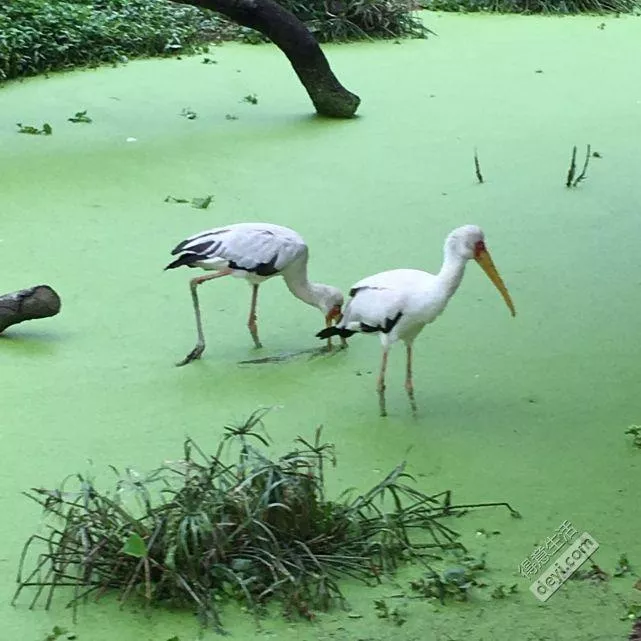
[(397, 304), (255, 252)]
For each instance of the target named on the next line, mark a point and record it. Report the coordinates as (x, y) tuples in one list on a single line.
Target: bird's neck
[(452, 271), (299, 285)]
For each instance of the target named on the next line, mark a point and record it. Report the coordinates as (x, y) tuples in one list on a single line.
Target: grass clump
[(37, 36), (563, 7), (343, 20), (200, 531)]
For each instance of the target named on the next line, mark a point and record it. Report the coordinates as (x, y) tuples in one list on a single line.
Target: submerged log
[(40, 301), (296, 41)]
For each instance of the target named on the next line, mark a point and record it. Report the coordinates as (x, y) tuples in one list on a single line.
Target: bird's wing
[(378, 302), (373, 309), (260, 248), (397, 279)]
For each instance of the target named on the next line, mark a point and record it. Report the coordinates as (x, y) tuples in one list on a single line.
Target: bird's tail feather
[(184, 259), (335, 331)]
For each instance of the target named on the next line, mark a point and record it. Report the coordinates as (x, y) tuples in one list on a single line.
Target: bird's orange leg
[(251, 323), (200, 344), (381, 384), (409, 383)]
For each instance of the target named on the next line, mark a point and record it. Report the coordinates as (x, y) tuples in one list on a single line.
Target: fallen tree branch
[(40, 301), (296, 41)]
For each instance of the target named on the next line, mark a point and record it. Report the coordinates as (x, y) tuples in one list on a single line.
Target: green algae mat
[(530, 410)]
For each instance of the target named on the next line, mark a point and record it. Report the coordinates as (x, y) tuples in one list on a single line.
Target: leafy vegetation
[(38, 36), (196, 203), (35, 131), (452, 583), (80, 116), (342, 20), (199, 531), (533, 6)]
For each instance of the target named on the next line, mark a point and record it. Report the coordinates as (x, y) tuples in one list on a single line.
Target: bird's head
[(330, 302), (468, 242)]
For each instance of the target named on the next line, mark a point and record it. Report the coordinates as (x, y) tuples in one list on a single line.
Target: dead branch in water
[(40, 301)]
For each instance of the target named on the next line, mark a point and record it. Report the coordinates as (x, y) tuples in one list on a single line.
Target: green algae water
[(530, 410)]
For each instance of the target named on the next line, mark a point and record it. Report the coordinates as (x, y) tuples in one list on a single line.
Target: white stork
[(255, 252), (397, 304)]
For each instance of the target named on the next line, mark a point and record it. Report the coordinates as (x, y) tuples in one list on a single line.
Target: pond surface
[(531, 410)]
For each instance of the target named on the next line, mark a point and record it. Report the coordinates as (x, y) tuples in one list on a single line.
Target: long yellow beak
[(484, 259)]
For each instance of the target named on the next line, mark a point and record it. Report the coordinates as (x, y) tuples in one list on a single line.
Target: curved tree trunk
[(293, 38), (27, 304)]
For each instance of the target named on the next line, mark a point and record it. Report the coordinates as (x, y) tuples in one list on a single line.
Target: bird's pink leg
[(381, 384), (200, 344), (251, 323), (409, 383)]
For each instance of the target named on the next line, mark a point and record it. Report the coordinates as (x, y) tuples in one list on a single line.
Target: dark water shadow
[(283, 125), (311, 353), (30, 343)]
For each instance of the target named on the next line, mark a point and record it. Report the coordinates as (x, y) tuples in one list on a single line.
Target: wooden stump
[(40, 301)]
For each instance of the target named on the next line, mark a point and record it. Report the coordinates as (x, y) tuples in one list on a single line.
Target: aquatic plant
[(81, 116), (201, 530), (35, 131), (452, 583), (343, 20), (572, 179)]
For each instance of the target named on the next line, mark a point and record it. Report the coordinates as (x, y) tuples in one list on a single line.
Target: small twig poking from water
[(477, 167), (582, 175), (572, 170)]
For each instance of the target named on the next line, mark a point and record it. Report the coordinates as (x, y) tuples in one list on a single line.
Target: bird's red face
[(333, 316), (483, 258)]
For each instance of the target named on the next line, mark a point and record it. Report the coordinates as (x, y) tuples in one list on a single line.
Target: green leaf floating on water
[(197, 203), (34, 131), (80, 116), (135, 546), (201, 203)]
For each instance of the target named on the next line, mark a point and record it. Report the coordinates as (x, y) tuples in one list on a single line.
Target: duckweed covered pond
[(530, 410)]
